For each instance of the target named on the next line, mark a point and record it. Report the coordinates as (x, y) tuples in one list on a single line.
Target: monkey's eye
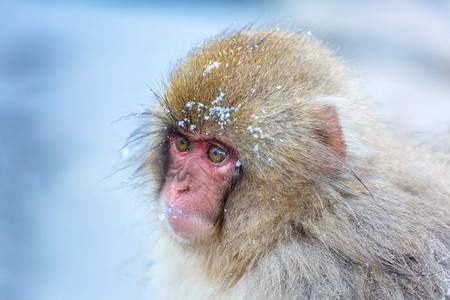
[(216, 154), (181, 143)]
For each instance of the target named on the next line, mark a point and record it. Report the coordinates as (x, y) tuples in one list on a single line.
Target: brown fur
[(375, 227)]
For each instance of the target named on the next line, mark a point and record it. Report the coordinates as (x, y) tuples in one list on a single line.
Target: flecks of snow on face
[(210, 66), (222, 112), (256, 117), (256, 148), (238, 163), (262, 135), (190, 104), (165, 109), (278, 87), (186, 121), (219, 98), (252, 90), (298, 100), (257, 129)]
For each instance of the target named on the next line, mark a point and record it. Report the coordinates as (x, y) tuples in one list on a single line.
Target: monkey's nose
[(183, 190)]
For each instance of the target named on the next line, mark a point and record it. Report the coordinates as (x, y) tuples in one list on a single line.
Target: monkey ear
[(331, 132)]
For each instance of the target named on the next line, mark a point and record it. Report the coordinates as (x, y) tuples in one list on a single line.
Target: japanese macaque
[(274, 181)]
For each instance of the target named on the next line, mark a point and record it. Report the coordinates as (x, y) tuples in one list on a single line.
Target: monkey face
[(200, 174)]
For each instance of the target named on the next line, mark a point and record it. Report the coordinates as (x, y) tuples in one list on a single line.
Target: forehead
[(203, 137)]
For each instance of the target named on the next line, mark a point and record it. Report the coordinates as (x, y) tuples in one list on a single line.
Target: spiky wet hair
[(222, 89)]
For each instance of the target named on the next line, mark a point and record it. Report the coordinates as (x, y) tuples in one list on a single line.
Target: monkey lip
[(187, 226)]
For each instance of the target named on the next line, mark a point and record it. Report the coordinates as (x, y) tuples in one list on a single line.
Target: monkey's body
[(326, 205)]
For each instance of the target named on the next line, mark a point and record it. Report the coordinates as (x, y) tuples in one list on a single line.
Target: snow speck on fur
[(210, 66)]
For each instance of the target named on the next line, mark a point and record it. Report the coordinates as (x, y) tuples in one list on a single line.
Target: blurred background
[(70, 225)]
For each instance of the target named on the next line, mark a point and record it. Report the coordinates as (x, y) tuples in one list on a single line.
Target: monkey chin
[(185, 227)]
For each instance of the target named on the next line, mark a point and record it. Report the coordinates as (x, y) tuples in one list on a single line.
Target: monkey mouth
[(175, 211), (184, 225)]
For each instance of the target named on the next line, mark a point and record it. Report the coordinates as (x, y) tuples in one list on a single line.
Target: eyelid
[(219, 144)]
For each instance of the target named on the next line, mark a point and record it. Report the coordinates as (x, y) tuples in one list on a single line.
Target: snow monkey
[(275, 181)]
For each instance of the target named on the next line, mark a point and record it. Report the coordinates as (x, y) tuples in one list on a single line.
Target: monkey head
[(249, 109)]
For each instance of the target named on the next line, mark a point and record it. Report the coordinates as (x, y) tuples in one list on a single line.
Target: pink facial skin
[(193, 195)]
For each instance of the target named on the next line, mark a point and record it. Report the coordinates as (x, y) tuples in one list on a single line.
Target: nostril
[(183, 190)]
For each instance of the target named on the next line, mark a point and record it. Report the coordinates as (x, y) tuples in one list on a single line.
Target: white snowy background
[(69, 226)]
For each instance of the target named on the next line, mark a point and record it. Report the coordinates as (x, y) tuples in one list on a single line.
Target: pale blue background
[(69, 226)]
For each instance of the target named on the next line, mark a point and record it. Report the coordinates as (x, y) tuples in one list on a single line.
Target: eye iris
[(181, 144), (216, 154)]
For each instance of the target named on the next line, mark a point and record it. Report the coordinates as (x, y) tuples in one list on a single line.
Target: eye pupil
[(216, 154), (181, 143)]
